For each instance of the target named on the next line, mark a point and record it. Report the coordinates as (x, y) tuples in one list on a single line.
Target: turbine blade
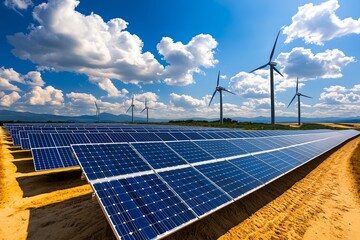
[(143, 110), (229, 91), (212, 97), (291, 101), (218, 79), (273, 50), (128, 109), (278, 71), (259, 68), (305, 95), (297, 84)]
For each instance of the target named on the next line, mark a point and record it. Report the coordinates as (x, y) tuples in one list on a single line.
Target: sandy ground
[(320, 200)]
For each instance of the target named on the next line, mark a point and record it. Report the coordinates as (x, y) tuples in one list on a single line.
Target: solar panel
[(39, 140), (190, 151), (142, 207), (220, 148), (158, 155), (108, 160), (230, 178), (256, 168), (197, 191), (275, 162), (121, 137)]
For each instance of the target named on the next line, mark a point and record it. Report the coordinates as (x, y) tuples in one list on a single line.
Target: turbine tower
[(147, 111), (97, 112), (132, 106), (298, 95), (220, 90), (272, 68)]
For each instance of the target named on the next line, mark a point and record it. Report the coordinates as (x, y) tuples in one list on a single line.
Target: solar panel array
[(150, 189), (50, 144)]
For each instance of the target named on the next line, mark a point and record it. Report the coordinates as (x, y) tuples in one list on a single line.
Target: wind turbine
[(147, 111), (220, 90), (132, 106), (272, 68), (298, 95), (97, 112)]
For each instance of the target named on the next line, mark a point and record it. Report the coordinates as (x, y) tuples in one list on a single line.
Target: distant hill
[(6, 115)]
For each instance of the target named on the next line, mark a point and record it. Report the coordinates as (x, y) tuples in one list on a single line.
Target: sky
[(60, 56)]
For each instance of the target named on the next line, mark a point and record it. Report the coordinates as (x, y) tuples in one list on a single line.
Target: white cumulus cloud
[(303, 63), (44, 96), (318, 23), (186, 59), (18, 4), (187, 101), (9, 99)]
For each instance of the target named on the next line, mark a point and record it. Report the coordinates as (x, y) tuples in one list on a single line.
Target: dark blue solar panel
[(39, 140), (24, 143), (258, 143), (256, 168), (107, 160), (121, 137), (275, 162), (198, 192), (158, 155), (190, 151), (205, 135), (142, 207), (220, 148), (193, 135), (166, 136), (66, 157), (230, 178), (179, 136), (145, 137), (46, 158), (214, 135), (299, 157), (66, 139), (287, 158), (98, 138), (246, 146)]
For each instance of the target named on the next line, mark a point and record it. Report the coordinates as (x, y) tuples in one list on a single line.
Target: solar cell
[(108, 160), (142, 207), (121, 137), (274, 162), (158, 155), (190, 151), (220, 148), (230, 178), (256, 168), (197, 191)]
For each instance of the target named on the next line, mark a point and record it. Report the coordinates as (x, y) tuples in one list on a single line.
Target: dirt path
[(323, 205)]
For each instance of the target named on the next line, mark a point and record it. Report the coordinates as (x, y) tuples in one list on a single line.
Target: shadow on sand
[(50, 182), (24, 166), (77, 218)]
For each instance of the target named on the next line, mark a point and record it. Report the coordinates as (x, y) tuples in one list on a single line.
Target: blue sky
[(60, 56)]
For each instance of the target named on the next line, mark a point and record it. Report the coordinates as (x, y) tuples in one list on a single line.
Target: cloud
[(8, 100), (249, 85), (302, 63), (107, 85), (44, 96), (318, 23), (184, 60), (67, 40), (356, 88), (33, 78), (335, 95), (188, 102), (18, 4)]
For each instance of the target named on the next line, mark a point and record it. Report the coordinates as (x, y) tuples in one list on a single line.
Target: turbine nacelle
[(273, 63)]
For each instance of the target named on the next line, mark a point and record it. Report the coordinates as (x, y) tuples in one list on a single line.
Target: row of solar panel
[(149, 190), (53, 150)]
